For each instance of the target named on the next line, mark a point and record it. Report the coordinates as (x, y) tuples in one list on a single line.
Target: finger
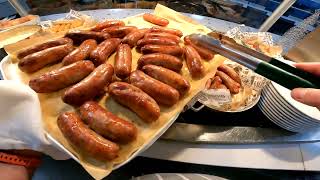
[(313, 68), (307, 96)]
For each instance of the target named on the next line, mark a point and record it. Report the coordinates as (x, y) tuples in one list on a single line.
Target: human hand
[(10, 170), (308, 96)]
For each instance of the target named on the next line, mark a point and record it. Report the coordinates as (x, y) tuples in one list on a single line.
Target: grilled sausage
[(167, 30), (203, 52), (156, 41), (61, 78), (134, 36), (208, 83), (162, 93), (119, 31), (106, 24), (216, 82), (164, 60), (104, 50), (169, 77), (172, 50), (136, 100), (123, 61), (107, 124), (79, 36), (90, 87), (193, 61), (230, 72), (232, 85), (155, 19), (42, 46), (163, 35), (84, 139), (81, 53), (39, 60)]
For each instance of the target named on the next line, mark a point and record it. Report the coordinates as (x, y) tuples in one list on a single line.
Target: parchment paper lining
[(52, 105)]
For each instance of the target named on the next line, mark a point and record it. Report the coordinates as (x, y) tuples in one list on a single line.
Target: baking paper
[(52, 105)]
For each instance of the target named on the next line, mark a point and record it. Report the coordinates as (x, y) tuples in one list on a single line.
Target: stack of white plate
[(276, 103)]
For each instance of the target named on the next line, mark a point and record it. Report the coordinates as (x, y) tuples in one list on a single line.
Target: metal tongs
[(271, 68)]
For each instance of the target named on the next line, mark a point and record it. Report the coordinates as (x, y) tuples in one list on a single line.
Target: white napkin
[(20, 120)]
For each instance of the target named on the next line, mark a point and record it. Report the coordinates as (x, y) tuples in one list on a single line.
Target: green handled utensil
[(268, 67), (305, 75)]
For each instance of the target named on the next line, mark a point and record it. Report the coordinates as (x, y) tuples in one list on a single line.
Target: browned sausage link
[(164, 60), (208, 83), (106, 24), (203, 52), (136, 100), (119, 31), (193, 61), (107, 124), (156, 41), (169, 77), (232, 85), (61, 78), (90, 87), (81, 53), (163, 35), (165, 49), (216, 82), (84, 139), (132, 38), (38, 60), (104, 50), (123, 61), (230, 72), (79, 36), (155, 19), (167, 30), (42, 46), (161, 92)]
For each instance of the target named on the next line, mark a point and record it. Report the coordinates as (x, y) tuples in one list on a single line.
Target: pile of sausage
[(86, 75), (225, 78)]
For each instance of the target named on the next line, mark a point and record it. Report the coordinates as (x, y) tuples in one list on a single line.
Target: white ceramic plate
[(308, 111), (272, 116), (287, 107), (283, 117)]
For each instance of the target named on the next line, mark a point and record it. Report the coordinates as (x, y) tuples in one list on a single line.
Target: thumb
[(307, 96)]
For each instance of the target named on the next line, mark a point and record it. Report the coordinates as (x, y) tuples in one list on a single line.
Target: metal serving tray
[(249, 127), (208, 126)]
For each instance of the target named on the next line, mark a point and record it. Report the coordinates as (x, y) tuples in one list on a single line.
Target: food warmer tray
[(248, 127), (208, 126)]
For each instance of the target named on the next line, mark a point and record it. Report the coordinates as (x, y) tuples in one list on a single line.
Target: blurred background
[(249, 12)]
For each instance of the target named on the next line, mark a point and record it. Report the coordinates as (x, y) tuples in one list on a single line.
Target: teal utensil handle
[(283, 77), (305, 75)]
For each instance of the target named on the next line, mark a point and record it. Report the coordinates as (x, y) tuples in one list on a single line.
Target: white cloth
[(20, 120)]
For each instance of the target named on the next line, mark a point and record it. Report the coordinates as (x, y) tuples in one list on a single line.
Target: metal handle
[(282, 8), (18, 7)]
